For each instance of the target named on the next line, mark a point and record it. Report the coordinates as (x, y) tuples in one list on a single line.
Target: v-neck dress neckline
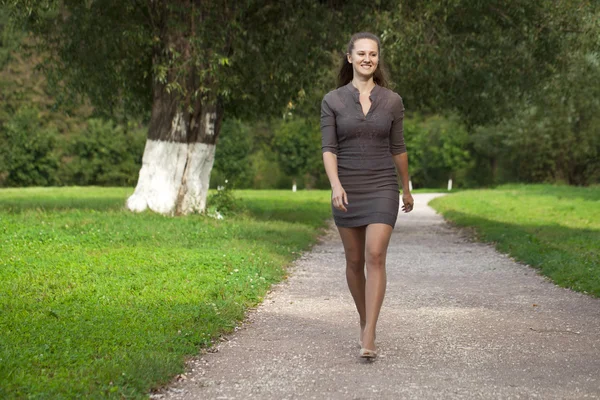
[(356, 96)]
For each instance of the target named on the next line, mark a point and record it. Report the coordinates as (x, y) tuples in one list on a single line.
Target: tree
[(479, 58), (296, 144), (495, 63), (552, 135), (187, 61), (232, 154), (438, 149)]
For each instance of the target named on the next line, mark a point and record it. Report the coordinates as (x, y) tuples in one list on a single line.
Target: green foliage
[(232, 154), (268, 155), (9, 37), (521, 76), (554, 135), (296, 143), (28, 154), (23, 86), (253, 59), (223, 202), (266, 171), (472, 56), (98, 302), (553, 228), (90, 151), (438, 150), (100, 154), (105, 154), (254, 56), (101, 51)]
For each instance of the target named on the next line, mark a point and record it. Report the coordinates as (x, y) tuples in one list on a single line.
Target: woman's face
[(364, 57)]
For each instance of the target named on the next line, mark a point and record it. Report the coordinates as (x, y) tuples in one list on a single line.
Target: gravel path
[(459, 321)]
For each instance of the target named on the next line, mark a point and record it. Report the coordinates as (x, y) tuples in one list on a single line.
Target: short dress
[(364, 146)]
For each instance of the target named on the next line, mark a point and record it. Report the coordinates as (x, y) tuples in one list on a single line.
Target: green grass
[(99, 302), (553, 228)]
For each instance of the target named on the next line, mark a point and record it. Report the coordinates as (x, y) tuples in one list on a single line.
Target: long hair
[(380, 76)]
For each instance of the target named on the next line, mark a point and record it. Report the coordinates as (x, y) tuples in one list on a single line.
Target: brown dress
[(364, 146)]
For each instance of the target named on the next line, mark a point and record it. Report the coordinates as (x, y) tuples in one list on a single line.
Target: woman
[(363, 145)]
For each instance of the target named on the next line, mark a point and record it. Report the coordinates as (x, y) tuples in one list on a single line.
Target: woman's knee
[(377, 240), (355, 260), (375, 258)]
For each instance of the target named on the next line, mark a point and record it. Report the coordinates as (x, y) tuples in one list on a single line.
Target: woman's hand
[(407, 201), (339, 198)]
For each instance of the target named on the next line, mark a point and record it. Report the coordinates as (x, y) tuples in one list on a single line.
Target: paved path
[(459, 321)]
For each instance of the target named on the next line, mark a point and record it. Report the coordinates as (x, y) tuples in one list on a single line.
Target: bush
[(105, 154), (231, 156), (223, 202), (437, 150), (28, 151), (296, 143)]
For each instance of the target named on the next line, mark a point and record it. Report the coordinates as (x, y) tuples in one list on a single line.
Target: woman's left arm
[(401, 161), (399, 154)]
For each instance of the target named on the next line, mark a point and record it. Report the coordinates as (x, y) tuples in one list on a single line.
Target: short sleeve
[(397, 145), (328, 130)]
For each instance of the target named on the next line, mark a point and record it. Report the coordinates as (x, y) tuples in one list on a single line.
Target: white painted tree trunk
[(174, 177), (450, 184), (170, 170)]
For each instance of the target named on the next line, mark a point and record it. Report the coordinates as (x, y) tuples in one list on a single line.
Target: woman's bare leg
[(377, 241), (354, 248)]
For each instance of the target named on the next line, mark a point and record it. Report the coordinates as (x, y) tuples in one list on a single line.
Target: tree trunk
[(178, 157), (494, 168)]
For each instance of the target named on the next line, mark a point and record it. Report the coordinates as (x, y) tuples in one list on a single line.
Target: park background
[(502, 97), (493, 95)]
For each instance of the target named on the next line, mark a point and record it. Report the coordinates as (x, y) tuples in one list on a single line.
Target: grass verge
[(553, 228), (98, 302)]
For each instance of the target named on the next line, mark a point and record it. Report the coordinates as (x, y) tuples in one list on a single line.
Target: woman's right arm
[(338, 194), (329, 147)]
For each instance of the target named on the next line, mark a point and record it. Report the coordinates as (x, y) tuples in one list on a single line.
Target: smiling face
[(364, 57)]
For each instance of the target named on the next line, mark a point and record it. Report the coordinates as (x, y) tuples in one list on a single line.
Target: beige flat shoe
[(368, 354)]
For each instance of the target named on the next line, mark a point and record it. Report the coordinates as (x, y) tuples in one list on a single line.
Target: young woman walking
[(363, 146)]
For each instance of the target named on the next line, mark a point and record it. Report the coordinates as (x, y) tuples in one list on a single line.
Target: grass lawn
[(96, 301), (553, 228), (440, 190)]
